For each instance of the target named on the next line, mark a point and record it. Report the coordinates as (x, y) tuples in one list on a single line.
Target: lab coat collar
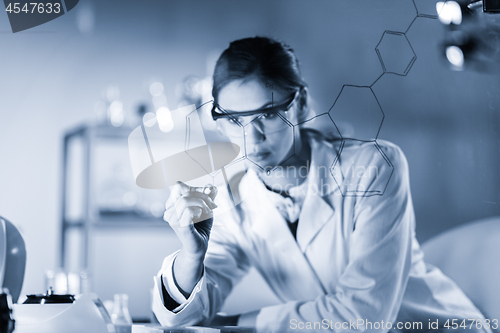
[(267, 223), (313, 216), (323, 156), (316, 211), (266, 219)]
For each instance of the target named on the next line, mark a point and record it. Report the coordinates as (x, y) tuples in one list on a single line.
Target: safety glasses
[(267, 120)]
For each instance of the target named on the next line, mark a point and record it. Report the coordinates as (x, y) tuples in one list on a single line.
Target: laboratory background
[(73, 89)]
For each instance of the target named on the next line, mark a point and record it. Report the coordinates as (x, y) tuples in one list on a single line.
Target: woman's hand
[(189, 213)]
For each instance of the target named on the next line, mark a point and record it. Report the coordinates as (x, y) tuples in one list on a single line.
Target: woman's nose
[(254, 132)]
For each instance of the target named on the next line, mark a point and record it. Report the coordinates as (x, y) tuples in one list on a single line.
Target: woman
[(340, 262)]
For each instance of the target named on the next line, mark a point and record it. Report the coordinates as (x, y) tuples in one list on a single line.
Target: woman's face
[(267, 141)]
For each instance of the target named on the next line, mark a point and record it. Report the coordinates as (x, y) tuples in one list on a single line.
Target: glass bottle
[(120, 316)]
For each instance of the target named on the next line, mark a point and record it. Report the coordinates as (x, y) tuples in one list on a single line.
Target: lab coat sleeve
[(372, 285), (225, 264)]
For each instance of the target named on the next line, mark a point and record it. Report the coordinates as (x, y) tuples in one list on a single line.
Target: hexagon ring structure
[(357, 113), (361, 169), (395, 53)]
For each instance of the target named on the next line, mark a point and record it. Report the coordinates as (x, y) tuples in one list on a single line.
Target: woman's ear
[(303, 104), (304, 95)]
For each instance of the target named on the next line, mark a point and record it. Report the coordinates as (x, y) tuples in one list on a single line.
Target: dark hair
[(266, 59)]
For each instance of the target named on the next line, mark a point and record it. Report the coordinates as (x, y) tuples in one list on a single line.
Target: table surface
[(155, 328)]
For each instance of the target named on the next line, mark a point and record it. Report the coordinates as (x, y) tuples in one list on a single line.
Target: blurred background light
[(116, 113), (85, 18), (149, 119), (164, 118), (449, 12), (472, 35), (455, 56), (156, 89)]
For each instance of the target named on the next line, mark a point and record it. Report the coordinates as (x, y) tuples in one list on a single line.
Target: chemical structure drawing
[(355, 118), (355, 178), (358, 116), (357, 113), (395, 53), (426, 8)]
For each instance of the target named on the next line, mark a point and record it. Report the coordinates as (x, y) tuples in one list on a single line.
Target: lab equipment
[(52, 313), (49, 298), (120, 316), (91, 153), (63, 282), (12, 258), (7, 323), (491, 6), (472, 34)]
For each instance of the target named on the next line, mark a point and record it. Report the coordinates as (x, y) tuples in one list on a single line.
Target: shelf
[(130, 222), (97, 174)]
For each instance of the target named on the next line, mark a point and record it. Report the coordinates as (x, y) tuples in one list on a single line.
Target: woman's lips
[(259, 155)]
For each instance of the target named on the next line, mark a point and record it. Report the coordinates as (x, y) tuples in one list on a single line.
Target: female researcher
[(347, 263)]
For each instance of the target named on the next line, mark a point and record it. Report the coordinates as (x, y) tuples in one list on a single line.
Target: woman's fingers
[(213, 191), (189, 216), (191, 202), (188, 204), (194, 206), (178, 190), (193, 215), (208, 200), (207, 192)]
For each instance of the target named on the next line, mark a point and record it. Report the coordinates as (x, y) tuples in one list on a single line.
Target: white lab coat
[(355, 257)]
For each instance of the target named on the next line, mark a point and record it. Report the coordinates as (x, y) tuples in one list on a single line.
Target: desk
[(152, 328)]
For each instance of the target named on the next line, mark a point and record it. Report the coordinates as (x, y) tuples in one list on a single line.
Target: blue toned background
[(446, 122)]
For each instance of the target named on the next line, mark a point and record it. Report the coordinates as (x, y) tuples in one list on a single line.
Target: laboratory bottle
[(120, 316)]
